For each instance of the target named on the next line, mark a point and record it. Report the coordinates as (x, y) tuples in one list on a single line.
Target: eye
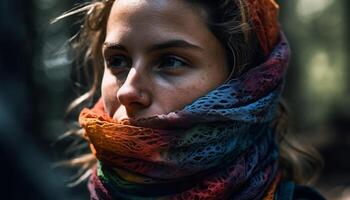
[(118, 63), (172, 62)]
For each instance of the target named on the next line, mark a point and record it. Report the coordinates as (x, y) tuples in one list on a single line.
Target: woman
[(190, 101)]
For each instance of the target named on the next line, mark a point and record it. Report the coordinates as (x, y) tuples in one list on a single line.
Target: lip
[(125, 118), (121, 114)]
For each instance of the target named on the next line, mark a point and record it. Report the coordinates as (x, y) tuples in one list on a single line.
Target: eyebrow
[(164, 45)]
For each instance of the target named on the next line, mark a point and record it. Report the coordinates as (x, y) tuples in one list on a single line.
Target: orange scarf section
[(264, 17)]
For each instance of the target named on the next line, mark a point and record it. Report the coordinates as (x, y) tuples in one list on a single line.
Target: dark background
[(36, 86)]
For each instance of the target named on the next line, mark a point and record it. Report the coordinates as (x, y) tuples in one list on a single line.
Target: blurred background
[(37, 85)]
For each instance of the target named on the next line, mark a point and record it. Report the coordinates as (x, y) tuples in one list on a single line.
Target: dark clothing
[(304, 192), (291, 191)]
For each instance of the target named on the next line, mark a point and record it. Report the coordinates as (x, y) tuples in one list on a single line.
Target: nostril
[(133, 107)]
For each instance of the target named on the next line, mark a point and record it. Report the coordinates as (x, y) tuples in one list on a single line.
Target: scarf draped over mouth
[(221, 146)]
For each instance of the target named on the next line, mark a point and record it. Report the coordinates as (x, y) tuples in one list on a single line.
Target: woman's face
[(159, 56)]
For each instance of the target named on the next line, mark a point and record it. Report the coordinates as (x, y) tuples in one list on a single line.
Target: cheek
[(185, 91), (109, 88), (201, 83)]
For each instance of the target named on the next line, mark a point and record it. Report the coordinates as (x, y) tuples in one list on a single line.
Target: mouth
[(125, 118)]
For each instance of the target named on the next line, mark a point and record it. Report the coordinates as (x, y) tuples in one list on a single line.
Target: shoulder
[(291, 191), (302, 192)]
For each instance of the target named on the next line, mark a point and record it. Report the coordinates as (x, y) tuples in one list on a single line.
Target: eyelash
[(112, 59), (160, 64), (173, 58)]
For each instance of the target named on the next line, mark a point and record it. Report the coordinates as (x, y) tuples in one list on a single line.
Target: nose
[(133, 93)]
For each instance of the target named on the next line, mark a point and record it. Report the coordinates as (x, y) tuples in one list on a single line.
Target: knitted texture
[(264, 18), (219, 147)]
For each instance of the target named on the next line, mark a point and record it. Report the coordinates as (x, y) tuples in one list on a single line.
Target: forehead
[(154, 19)]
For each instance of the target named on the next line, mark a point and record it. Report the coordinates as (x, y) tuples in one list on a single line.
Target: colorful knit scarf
[(221, 146)]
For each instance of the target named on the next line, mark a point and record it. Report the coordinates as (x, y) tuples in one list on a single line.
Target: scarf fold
[(220, 146), (264, 19)]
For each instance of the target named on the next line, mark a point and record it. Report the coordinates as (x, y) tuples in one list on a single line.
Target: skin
[(159, 57)]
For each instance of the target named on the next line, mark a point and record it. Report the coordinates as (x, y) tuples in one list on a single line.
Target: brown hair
[(229, 22)]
